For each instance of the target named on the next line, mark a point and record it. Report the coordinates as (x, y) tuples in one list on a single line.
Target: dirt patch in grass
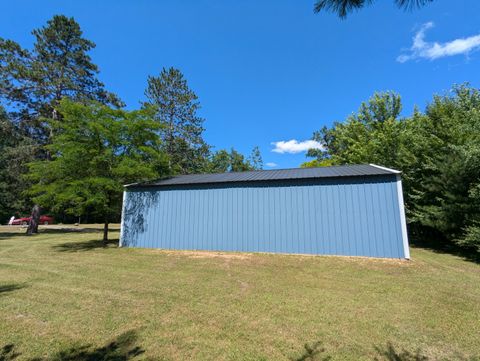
[(368, 261), (208, 254)]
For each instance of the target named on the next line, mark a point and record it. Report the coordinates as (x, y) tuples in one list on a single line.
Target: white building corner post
[(403, 221), (122, 220)]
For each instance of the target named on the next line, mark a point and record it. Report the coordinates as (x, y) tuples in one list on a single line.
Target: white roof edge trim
[(130, 184), (385, 168)]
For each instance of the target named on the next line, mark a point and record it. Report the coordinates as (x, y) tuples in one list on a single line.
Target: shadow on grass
[(6, 235), (389, 353), (63, 230), (434, 241), (85, 245), (439, 247), (123, 348), (312, 352), (67, 229), (7, 353), (9, 288)]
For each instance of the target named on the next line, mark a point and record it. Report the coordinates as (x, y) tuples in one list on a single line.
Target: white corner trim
[(403, 222), (122, 220), (385, 168)]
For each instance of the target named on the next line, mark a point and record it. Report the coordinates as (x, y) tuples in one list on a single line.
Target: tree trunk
[(35, 217), (34, 220), (105, 234)]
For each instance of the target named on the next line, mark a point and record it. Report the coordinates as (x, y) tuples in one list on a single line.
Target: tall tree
[(95, 151), (447, 186), (15, 151), (375, 134), (437, 151), (344, 7), (372, 135), (177, 111), (33, 82)]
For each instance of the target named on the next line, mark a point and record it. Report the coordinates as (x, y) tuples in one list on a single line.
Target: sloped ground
[(65, 297)]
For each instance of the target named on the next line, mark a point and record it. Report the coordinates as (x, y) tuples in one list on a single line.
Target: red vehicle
[(25, 220)]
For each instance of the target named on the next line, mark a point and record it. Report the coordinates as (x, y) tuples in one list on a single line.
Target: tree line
[(67, 144), (437, 150)]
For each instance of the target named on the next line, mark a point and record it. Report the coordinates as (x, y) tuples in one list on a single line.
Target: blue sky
[(270, 71)]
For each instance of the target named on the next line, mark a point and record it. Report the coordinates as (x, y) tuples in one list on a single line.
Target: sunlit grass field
[(65, 297)]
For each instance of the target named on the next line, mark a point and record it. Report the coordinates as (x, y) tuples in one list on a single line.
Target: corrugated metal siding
[(353, 217)]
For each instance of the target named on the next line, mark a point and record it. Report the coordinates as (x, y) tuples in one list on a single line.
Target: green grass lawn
[(64, 297)]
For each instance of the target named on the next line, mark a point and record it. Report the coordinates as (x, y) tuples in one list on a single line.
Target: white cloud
[(434, 50), (271, 164), (293, 146)]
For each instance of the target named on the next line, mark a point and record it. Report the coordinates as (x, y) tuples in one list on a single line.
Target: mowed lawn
[(64, 297)]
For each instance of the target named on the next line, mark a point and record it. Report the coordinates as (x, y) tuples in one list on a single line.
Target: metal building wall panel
[(350, 216)]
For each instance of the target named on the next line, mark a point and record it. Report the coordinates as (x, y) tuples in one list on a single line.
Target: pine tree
[(176, 107), (15, 151), (33, 82), (344, 7)]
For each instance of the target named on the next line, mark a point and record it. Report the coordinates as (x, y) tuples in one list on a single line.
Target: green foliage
[(233, 161), (32, 83), (176, 107), (317, 163), (375, 134), (438, 153), (238, 163), (15, 151), (370, 136), (95, 151), (447, 191)]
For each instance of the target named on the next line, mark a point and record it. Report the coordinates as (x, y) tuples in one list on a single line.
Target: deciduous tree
[(233, 161), (32, 82), (95, 151), (437, 151)]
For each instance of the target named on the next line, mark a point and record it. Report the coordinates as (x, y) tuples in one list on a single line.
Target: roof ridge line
[(352, 170)]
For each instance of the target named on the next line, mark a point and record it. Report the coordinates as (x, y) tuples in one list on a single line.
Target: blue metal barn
[(352, 210)]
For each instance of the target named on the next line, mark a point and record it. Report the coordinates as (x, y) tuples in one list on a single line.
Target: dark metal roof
[(271, 175)]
